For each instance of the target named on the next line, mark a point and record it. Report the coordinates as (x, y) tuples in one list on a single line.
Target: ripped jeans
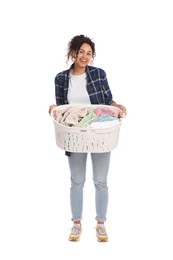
[(100, 166)]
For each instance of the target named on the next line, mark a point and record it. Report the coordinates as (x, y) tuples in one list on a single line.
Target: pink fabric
[(99, 111)]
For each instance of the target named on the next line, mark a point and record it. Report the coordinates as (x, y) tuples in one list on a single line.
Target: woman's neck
[(77, 70)]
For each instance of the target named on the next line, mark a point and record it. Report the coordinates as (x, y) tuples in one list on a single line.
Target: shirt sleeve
[(59, 96), (106, 89)]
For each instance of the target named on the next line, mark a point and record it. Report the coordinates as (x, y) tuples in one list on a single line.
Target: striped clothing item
[(97, 86)]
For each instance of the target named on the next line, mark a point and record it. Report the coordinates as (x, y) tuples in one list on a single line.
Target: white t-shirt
[(77, 92)]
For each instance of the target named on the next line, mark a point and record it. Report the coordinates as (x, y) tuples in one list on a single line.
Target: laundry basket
[(84, 140)]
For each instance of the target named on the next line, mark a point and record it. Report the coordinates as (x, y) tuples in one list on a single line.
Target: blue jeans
[(100, 166)]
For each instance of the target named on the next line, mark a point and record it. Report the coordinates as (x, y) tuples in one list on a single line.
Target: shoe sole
[(74, 239), (102, 239)]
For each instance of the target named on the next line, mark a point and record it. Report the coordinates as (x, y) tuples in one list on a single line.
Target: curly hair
[(75, 44)]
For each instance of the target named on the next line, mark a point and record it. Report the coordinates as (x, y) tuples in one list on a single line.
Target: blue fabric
[(100, 166), (104, 118)]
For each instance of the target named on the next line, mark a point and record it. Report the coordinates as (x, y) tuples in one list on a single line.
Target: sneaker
[(75, 232), (101, 233)]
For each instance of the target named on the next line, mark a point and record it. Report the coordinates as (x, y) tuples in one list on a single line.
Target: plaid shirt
[(97, 86)]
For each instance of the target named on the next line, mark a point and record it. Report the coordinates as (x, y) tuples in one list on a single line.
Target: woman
[(85, 84)]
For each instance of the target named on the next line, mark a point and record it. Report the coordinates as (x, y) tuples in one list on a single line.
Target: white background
[(134, 46)]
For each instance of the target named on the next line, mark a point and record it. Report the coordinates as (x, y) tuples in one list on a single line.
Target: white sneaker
[(101, 233), (75, 232)]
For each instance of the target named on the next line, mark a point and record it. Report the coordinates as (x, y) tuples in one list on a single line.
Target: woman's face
[(84, 55)]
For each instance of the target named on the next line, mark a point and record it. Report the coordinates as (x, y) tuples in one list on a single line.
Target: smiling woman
[(81, 50), (85, 84)]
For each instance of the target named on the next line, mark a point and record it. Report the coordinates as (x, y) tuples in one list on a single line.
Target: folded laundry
[(104, 124), (99, 117), (104, 118), (71, 116), (88, 119), (99, 111)]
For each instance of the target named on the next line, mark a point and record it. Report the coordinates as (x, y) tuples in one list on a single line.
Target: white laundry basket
[(84, 140)]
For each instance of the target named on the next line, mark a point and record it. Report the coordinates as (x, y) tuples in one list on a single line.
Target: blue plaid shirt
[(97, 86)]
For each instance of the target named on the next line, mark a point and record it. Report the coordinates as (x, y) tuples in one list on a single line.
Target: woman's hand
[(123, 112), (50, 110)]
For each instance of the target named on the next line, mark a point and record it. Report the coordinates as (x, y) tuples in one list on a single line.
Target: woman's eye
[(85, 53)]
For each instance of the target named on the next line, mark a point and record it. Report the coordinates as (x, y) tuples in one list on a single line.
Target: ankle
[(100, 223), (77, 222)]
